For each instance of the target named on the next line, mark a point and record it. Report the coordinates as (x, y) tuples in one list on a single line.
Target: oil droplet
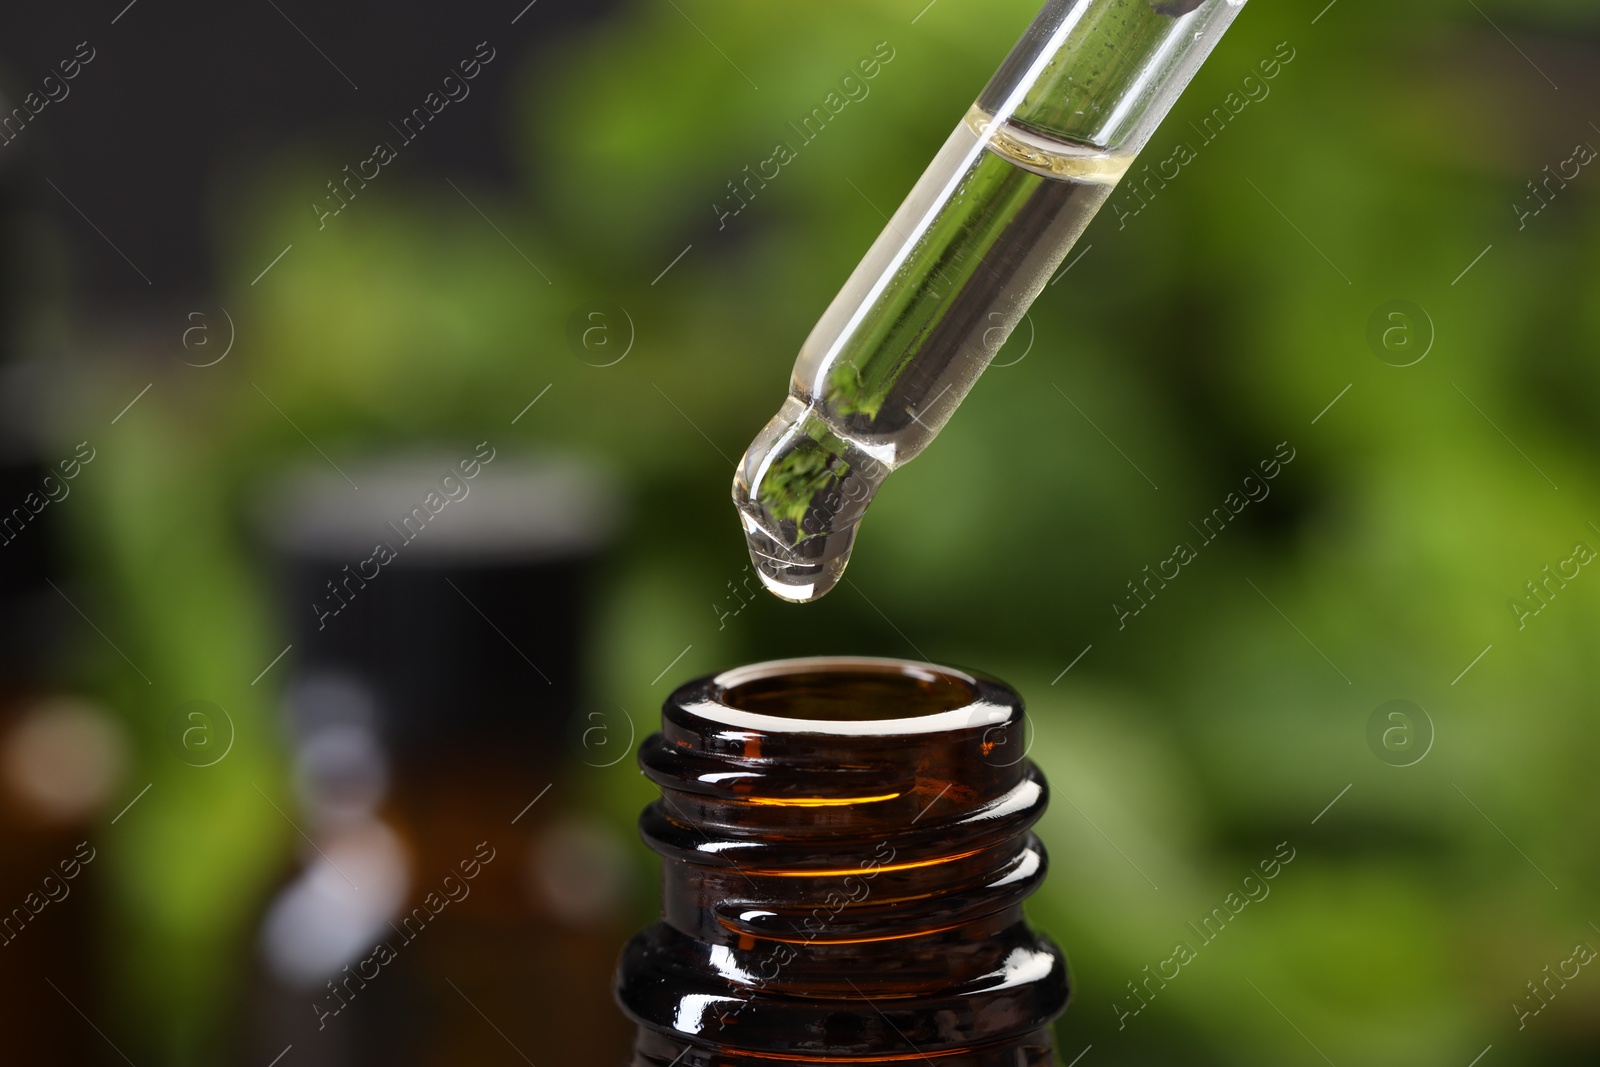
[(801, 491)]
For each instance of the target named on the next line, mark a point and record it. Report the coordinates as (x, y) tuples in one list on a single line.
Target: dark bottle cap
[(32, 494), (29, 561), (455, 590)]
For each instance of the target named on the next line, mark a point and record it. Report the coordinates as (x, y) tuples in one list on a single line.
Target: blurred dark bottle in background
[(62, 759), (452, 902), (62, 756)]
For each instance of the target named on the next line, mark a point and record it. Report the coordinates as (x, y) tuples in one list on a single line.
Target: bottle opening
[(847, 694)]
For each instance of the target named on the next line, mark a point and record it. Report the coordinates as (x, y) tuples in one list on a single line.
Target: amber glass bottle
[(846, 848)]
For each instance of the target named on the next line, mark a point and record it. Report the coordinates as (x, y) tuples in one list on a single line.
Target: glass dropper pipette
[(958, 265)]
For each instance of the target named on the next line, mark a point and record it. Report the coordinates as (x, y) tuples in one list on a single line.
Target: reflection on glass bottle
[(454, 905)]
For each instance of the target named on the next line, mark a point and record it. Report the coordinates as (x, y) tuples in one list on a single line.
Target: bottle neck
[(847, 847)]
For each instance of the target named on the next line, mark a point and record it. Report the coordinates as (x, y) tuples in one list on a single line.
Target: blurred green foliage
[(1217, 323)]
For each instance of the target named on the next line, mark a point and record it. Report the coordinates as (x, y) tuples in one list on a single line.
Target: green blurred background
[(1186, 743)]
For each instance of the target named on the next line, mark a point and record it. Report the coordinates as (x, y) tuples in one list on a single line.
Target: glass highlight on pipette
[(956, 268)]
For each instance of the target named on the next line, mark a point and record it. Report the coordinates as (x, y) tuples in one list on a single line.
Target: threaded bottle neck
[(847, 847)]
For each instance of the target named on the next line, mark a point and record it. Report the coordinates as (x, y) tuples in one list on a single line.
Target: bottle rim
[(953, 699)]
